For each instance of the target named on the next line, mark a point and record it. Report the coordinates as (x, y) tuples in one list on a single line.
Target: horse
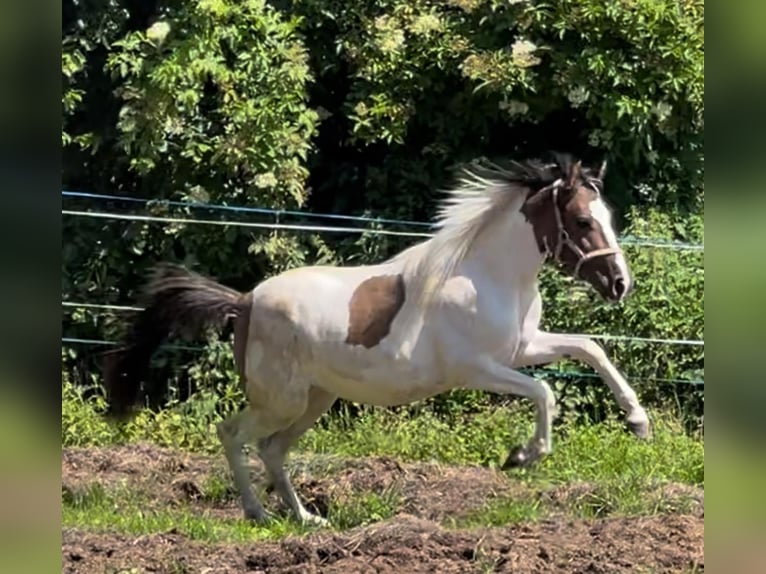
[(461, 309)]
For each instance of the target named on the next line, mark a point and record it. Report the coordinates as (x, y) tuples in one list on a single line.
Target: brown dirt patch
[(412, 541), (132, 463), (408, 544), (428, 490)]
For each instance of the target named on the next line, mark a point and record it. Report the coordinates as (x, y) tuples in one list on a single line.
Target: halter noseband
[(564, 239)]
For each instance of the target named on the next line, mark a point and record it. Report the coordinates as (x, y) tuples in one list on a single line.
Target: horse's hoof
[(315, 520), (641, 429), (518, 458), (258, 516)]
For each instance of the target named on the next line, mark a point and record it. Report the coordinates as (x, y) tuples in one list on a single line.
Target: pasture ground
[(604, 502)]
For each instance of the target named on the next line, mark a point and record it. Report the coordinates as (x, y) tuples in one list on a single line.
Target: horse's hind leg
[(234, 433), (247, 426), (273, 451), (268, 356)]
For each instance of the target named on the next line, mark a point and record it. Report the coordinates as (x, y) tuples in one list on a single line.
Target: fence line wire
[(567, 374), (252, 224), (102, 343), (627, 240), (100, 306), (605, 337), (334, 229), (244, 209)]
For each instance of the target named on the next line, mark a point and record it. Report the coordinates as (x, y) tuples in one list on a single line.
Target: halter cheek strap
[(563, 239)]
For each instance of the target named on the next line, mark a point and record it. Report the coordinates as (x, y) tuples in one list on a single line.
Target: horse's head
[(573, 224)]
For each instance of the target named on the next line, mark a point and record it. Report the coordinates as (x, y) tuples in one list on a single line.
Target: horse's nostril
[(619, 287)]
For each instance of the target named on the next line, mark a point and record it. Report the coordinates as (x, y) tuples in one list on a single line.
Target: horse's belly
[(382, 393), (359, 377)]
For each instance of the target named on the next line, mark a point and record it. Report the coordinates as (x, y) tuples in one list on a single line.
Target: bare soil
[(414, 540)]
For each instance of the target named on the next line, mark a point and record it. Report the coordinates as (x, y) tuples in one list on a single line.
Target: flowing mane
[(484, 192)]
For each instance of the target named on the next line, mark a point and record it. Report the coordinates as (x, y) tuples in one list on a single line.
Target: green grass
[(218, 488), (615, 497), (363, 508), (625, 497), (136, 521), (135, 513), (580, 452), (130, 512), (596, 452), (500, 512), (605, 451), (616, 474)]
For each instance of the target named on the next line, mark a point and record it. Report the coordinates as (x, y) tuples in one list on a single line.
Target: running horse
[(459, 310)]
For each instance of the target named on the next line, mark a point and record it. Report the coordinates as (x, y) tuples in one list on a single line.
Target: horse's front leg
[(552, 347), (495, 377)]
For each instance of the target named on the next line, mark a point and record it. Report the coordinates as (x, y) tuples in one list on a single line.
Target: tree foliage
[(366, 107), (450, 80)]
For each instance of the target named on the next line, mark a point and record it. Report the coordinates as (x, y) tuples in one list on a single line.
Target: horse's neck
[(506, 254)]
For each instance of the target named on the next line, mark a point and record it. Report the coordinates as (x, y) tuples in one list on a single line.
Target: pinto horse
[(459, 310)]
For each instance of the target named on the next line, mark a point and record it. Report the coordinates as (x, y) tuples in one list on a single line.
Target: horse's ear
[(575, 173), (602, 171)]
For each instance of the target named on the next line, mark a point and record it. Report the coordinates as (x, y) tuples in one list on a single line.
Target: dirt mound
[(414, 540), (408, 544), (426, 490), (136, 463)]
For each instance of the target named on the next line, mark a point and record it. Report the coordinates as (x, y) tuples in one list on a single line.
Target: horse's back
[(340, 327), (332, 304)]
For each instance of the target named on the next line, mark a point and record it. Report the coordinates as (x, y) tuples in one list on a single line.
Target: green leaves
[(198, 95), (630, 73), (216, 98)]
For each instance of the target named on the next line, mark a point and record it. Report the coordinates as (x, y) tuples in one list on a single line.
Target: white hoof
[(314, 520), (639, 426)]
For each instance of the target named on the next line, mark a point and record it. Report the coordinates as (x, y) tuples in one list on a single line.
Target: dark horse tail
[(176, 301)]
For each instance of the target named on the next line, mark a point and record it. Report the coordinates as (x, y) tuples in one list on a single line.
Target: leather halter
[(563, 238)]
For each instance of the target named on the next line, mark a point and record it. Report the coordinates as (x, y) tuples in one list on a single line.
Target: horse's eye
[(584, 222)]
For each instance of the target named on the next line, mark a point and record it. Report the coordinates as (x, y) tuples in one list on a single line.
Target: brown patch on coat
[(542, 220), (372, 309), (538, 209), (241, 333)]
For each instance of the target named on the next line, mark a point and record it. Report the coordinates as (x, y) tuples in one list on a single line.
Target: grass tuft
[(363, 508), (501, 511), (131, 512), (594, 470)]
